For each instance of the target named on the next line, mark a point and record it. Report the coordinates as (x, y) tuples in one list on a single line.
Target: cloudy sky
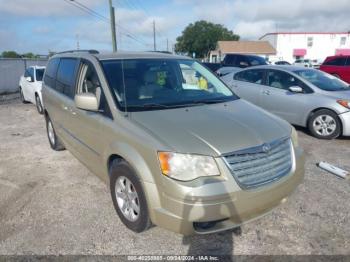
[(42, 25)]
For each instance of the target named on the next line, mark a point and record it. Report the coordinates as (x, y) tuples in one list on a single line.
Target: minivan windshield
[(323, 80), (153, 84)]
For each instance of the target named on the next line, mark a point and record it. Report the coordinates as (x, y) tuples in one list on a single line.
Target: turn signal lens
[(344, 103)]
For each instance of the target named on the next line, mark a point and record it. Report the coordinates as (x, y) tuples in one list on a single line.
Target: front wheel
[(39, 105), (325, 124), (128, 197)]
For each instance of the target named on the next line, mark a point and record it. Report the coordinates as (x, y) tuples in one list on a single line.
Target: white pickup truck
[(30, 86)]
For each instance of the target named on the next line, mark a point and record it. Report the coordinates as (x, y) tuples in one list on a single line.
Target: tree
[(29, 55), (201, 37), (10, 54)]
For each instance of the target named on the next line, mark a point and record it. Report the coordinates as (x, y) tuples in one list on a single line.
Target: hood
[(345, 94), (212, 129)]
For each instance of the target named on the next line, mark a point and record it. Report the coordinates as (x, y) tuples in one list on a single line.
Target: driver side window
[(89, 82), (281, 80)]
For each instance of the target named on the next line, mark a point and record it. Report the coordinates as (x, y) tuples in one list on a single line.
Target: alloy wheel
[(127, 198), (324, 125)]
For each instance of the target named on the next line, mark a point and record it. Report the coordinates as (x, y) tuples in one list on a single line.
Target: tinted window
[(338, 61), (26, 73), (31, 72), (256, 60), (282, 80), (348, 61), (252, 76), (230, 59), (50, 72), (52, 67), (39, 74), (66, 76), (154, 84), (241, 61)]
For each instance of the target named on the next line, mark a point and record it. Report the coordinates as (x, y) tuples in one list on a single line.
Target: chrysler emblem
[(266, 148)]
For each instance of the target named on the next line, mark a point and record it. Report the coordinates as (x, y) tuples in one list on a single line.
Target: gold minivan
[(178, 148)]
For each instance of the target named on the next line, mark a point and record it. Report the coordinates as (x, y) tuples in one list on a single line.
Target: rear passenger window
[(348, 61), (66, 76), (251, 76), (50, 72), (339, 61)]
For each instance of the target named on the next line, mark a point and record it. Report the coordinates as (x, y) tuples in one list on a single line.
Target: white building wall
[(323, 45)]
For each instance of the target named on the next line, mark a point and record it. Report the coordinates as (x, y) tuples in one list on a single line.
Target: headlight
[(344, 103), (294, 137), (187, 167)]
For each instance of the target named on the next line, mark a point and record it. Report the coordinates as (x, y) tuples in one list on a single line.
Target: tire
[(38, 105), (123, 177), (21, 96), (55, 142), (324, 124)]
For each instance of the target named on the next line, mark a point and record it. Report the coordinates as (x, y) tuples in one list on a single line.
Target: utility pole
[(167, 45), (78, 44), (154, 36), (112, 18)]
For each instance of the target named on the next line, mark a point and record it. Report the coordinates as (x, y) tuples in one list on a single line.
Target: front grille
[(260, 165)]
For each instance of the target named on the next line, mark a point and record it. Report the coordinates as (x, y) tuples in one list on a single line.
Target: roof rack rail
[(90, 51)]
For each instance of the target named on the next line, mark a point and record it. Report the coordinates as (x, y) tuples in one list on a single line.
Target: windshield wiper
[(210, 101), (155, 105)]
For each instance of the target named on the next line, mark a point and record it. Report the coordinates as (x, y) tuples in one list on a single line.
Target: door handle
[(65, 107), (266, 92)]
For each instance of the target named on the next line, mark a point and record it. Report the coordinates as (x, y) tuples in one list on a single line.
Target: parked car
[(178, 148), (281, 62), (30, 86), (339, 66), (303, 62), (302, 96), (233, 61)]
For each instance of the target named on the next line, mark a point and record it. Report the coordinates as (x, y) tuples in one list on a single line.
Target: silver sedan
[(302, 96)]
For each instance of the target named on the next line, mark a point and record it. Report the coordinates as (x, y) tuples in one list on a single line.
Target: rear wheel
[(324, 124), (39, 105), (128, 197), (55, 143)]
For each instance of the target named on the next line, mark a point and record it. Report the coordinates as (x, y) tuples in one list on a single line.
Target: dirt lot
[(51, 204)]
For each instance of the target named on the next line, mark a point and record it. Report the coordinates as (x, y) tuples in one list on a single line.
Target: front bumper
[(345, 119), (227, 203)]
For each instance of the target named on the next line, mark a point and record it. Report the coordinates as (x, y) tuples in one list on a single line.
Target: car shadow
[(307, 132)]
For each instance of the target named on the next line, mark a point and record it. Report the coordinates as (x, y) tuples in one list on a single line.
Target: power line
[(99, 17), (102, 18)]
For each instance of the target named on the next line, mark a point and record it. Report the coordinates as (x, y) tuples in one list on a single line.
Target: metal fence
[(11, 70)]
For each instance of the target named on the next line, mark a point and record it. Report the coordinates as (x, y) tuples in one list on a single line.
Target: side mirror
[(29, 79), (295, 89), (86, 101)]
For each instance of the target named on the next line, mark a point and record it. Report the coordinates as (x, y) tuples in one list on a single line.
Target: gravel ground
[(51, 204)]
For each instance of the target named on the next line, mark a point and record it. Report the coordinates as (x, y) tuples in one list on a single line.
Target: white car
[(30, 86)]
